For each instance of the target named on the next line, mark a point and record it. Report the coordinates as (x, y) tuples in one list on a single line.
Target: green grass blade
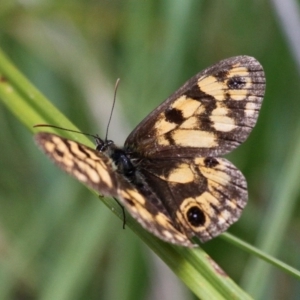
[(261, 254)]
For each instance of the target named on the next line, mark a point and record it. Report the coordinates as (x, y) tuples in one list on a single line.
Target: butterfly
[(169, 174)]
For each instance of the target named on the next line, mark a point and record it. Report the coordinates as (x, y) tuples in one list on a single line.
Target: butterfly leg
[(123, 212)]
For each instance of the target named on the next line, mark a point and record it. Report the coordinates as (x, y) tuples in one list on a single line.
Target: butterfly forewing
[(168, 175), (211, 114), (85, 164)]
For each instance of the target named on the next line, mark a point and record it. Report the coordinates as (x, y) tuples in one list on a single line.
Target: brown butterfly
[(169, 175)]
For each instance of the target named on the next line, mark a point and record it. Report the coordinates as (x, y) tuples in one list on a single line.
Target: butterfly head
[(103, 145)]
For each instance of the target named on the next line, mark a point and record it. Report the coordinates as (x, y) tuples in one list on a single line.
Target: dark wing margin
[(210, 115)]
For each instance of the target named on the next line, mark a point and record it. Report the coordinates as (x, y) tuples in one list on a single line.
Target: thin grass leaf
[(261, 254)]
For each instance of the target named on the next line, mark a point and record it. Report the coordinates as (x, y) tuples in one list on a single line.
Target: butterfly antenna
[(66, 129), (112, 109)]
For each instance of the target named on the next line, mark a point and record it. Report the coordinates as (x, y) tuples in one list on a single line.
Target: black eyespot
[(196, 216), (210, 162), (236, 83)]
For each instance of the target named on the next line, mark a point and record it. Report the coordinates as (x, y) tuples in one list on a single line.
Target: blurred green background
[(57, 240)]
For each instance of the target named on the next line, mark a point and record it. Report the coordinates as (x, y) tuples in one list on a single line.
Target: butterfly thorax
[(121, 160), (123, 163)]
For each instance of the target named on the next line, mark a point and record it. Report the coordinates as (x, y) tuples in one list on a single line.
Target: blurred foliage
[(59, 242)]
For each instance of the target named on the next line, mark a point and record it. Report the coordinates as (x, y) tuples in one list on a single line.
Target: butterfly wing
[(203, 196), (85, 164), (148, 210), (210, 115), (97, 171)]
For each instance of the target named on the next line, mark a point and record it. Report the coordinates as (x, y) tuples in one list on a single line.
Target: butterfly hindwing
[(211, 114), (203, 196), (152, 215)]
